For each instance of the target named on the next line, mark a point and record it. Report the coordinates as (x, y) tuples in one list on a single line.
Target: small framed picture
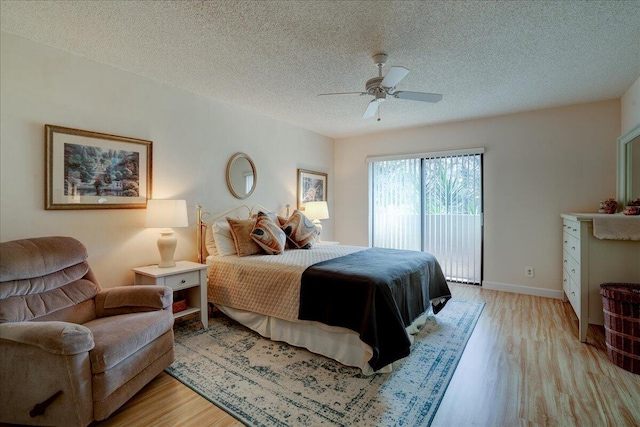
[(312, 187), (91, 170)]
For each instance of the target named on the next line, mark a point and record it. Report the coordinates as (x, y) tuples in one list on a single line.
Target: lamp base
[(318, 225), (167, 246)]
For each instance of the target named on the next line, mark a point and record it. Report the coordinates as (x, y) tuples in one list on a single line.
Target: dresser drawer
[(571, 227), (574, 296), (571, 266), (571, 245), (179, 281)]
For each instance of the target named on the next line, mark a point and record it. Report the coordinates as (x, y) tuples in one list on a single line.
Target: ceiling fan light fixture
[(379, 87)]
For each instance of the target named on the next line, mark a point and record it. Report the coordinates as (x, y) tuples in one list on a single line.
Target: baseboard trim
[(519, 289)]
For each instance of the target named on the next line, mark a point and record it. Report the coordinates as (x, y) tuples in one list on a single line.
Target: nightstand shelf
[(189, 277)]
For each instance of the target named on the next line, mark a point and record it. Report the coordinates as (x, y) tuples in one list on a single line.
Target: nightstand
[(186, 276)]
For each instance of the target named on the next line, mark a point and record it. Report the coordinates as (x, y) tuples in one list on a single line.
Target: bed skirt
[(340, 344)]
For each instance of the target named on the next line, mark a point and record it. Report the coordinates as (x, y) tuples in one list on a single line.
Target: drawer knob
[(573, 270), (575, 229), (183, 281), (566, 241), (565, 261), (565, 280), (573, 248), (573, 293)]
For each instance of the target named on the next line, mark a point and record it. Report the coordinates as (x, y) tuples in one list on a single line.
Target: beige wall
[(630, 107), (537, 165), (193, 137)]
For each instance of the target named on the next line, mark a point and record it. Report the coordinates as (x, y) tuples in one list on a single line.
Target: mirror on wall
[(629, 166), (241, 175)]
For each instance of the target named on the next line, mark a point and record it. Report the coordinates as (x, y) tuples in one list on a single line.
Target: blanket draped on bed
[(377, 293)]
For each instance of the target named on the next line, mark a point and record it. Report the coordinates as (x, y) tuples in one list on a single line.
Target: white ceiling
[(487, 58)]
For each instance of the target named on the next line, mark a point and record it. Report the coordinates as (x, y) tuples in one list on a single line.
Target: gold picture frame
[(92, 170), (312, 187)]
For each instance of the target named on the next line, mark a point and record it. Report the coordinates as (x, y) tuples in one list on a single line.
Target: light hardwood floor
[(522, 366)]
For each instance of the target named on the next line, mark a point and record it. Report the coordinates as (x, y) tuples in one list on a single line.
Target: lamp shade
[(316, 210), (166, 213)]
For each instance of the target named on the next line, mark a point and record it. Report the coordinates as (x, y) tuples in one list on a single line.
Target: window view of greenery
[(431, 204)]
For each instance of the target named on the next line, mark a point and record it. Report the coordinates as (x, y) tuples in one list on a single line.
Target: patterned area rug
[(267, 383)]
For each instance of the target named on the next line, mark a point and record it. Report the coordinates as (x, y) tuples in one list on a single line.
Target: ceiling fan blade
[(371, 110), (394, 76), (343, 93), (418, 96)]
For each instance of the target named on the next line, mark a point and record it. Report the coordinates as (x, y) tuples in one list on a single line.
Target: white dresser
[(588, 262)]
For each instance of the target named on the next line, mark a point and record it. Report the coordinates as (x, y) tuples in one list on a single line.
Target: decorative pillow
[(241, 232), (300, 231), (224, 239), (268, 235), (209, 241), (272, 216)]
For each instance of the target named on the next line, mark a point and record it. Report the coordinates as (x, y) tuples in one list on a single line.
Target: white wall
[(630, 107), (193, 137), (537, 165)]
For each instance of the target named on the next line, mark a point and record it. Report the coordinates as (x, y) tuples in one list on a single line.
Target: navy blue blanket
[(375, 292)]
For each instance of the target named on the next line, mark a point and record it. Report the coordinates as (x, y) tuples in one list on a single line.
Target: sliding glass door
[(431, 203)]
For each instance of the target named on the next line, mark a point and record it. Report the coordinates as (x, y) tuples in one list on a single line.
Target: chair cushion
[(118, 337), (33, 306), (28, 258)]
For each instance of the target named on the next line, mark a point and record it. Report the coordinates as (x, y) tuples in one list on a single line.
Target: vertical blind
[(431, 203)]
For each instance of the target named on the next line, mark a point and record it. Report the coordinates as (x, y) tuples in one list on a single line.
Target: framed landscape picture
[(312, 187), (91, 170)]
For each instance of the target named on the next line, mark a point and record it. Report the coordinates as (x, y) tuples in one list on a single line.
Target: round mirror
[(241, 175)]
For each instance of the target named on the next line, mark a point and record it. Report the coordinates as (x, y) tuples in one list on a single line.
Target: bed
[(357, 305)]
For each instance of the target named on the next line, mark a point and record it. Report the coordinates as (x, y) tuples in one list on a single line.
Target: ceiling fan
[(381, 87)]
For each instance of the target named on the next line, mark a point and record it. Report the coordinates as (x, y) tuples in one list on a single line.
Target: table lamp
[(316, 211), (166, 214)]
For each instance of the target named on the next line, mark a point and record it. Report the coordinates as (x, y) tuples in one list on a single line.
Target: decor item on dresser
[(316, 211), (589, 261), (242, 176), (292, 297), (71, 351), (91, 170), (312, 187), (609, 206), (632, 208), (166, 214)]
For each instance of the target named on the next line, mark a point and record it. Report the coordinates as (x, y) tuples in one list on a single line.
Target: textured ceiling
[(273, 57)]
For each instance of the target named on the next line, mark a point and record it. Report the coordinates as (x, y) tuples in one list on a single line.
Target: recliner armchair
[(71, 352)]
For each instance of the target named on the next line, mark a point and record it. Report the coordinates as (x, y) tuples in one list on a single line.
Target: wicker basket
[(179, 306), (621, 304)]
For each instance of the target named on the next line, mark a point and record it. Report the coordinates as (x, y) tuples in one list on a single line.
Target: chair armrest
[(133, 299), (53, 337)]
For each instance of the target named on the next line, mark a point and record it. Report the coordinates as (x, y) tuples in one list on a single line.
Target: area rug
[(265, 383)]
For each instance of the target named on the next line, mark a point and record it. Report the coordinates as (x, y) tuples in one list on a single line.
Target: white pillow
[(209, 241), (224, 239)]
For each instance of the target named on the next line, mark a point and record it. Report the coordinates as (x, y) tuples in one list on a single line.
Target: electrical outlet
[(528, 272)]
